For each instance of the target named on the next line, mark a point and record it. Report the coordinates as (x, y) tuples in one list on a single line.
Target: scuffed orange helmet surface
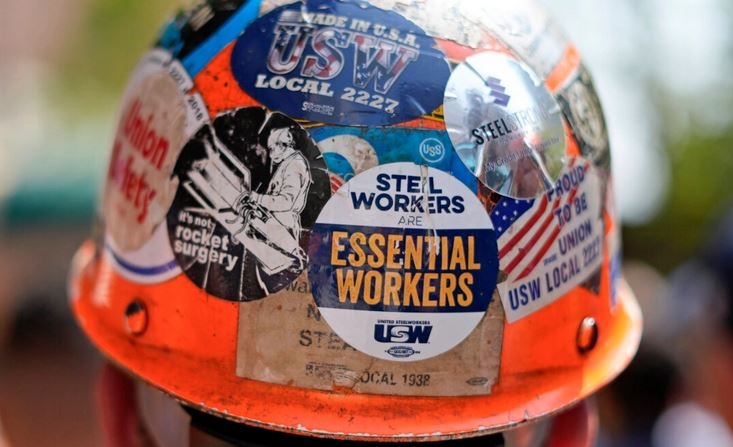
[(361, 219)]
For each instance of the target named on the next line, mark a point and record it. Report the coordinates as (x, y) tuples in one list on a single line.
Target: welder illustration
[(268, 225), (251, 184)]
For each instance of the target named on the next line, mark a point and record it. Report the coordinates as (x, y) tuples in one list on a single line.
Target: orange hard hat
[(361, 220)]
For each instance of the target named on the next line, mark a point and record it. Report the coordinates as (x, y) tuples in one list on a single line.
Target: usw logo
[(402, 333)]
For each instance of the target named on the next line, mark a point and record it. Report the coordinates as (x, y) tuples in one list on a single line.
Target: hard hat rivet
[(587, 336), (136, 317)]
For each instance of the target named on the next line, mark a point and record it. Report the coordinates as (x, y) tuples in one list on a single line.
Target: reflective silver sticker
[(505, 125)]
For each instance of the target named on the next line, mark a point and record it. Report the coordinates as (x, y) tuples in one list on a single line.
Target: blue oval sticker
[(341, 63), (401, 351)]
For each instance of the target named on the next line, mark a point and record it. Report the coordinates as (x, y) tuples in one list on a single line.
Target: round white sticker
[(158, 116), (403, 262)]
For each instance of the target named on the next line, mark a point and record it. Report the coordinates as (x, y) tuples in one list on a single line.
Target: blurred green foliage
[(112, 37), (61, 166), (701, 189)]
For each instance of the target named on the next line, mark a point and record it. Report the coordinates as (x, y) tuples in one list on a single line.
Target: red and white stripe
[(336, 182), (524, 246)]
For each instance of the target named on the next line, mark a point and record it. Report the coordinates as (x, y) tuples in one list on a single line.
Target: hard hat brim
[(189, 345)]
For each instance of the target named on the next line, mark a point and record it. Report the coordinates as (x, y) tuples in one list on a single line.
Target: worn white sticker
[(403, 262), (157, 118), (284, 339), (528, 30), (551, 244)]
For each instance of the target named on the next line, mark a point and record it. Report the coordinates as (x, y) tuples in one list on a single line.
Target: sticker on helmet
[(347, 155), (582, 108), (157, 117), (404, 262), (340, 62), (288, 333), (441, 19), (351, 150), (505, 125), (528, 30), (285, 339), (613, 242), (250, 187), (551, 244), (520, 24)]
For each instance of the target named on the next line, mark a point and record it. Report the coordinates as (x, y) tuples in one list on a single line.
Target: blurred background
[(662, 69)]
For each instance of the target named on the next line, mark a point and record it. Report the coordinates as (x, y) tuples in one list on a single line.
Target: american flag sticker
[(550, 244)]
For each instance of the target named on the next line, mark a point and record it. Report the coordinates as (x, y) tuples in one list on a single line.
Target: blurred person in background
[(630, 406), (698, 337)]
